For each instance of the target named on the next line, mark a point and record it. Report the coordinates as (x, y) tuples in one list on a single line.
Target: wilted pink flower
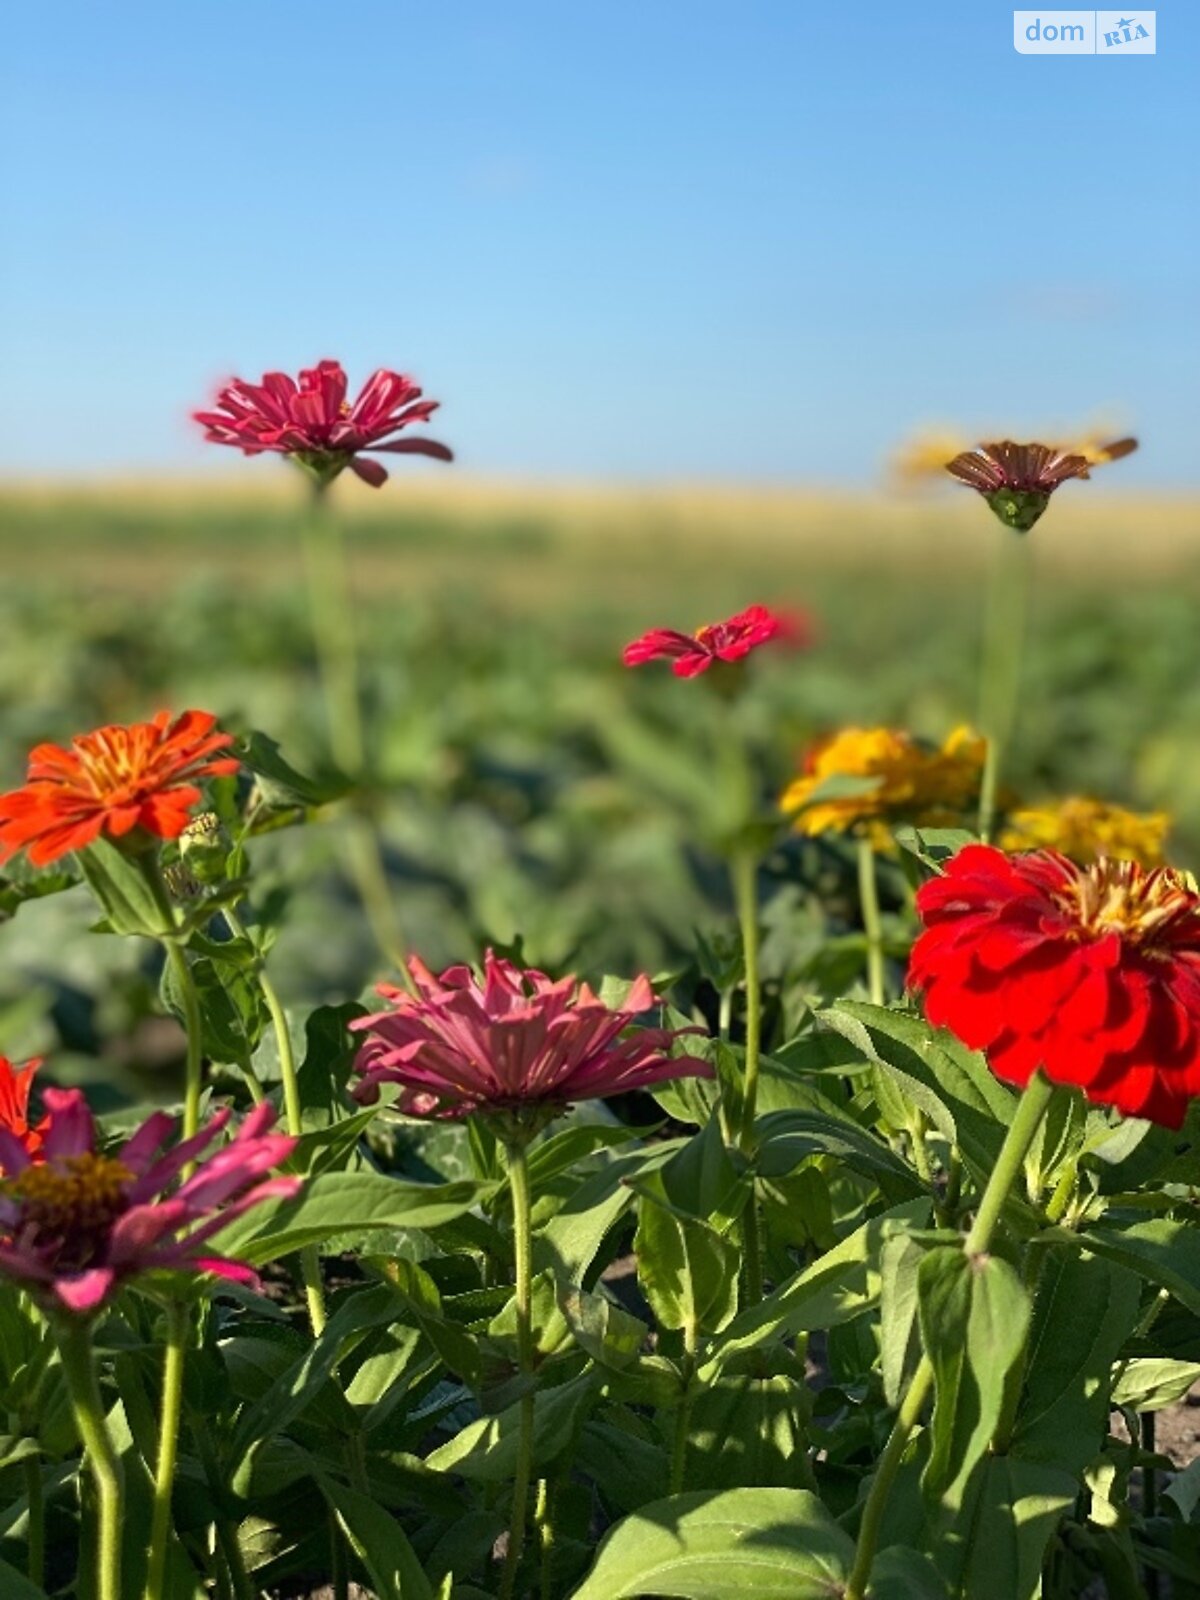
[(694, 653), (1017, 480), (76, 1224), (513, 1040), (313, 421)]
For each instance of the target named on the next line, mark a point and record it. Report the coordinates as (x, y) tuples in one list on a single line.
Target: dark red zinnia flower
[(312, 421), (1091, 974), (511, 1040), (113, 781), (1017, 480), (691, 654)]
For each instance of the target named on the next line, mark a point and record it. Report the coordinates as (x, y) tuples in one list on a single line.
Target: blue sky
[(642, 240)]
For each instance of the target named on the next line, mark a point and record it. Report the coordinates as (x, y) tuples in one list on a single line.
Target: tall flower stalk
[(74, 1339), (1005, 624), (518, 1179), (1020, 1136), (332, 612)]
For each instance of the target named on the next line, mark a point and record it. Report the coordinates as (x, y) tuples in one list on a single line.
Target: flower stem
[(310, 1259), (79, 1369), (1000, 678), (744, 869), (868, 899), (337, 660), (683, 1414), (518, 1178), (35, 1564), (168, 1447), (193, 1024), (1031, 1108)]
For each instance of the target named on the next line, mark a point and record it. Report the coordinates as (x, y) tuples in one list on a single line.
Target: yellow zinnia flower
[(1085, 829), (889, 777)]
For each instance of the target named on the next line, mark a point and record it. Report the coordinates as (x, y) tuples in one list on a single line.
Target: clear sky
[(642, 239)]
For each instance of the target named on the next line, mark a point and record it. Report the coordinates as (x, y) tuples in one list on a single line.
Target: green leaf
[(379, 1542), (980, 1105), (126, 894), (1150, 1385), (611, 1337), (20, 883), (974, 1312), (750, 1427), (486, 1451), (787, 1137), (281, 784), (1165, 1252), (1085, 1309), (423, 1302), (765, 1544), (687, 1270), (837, 1286), (995, 1543), (902, 1574), (570, 1240), (15, 1585), (231, 1008), (558, 1154), (342, 1203), (899, 1260)]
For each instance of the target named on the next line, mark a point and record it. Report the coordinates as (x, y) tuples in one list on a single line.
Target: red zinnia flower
[(15, 1084), (76, 1226), (511, 1040), (1091, 974), (692, 654), (1017, 480), (112, 781), (313, 422)]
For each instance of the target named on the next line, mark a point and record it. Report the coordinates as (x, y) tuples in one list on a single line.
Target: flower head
[(1085, 829), (79, 1223), (511, 1041), (313, 422), (15, 1084), (1017, 480), (112, 781), (893, 778), (1091, 974), (691, 654)]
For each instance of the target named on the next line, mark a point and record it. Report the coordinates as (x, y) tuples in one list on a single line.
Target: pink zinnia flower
[(77, 1224), (510, 1041), (694, 653), (313, 422)]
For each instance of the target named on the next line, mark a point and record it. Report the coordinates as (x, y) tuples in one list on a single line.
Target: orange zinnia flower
[(15, 1084), (112, 781)]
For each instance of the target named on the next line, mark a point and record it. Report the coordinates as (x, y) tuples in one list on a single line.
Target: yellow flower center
[(74, 1198), (1120, 897)]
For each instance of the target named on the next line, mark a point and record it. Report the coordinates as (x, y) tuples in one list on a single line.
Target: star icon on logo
[(1126, 22)]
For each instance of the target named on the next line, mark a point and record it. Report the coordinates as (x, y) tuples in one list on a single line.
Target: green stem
[(332, 612), (745, 889), (293, 1115), (518, 1178), (168, 1447), (1031, 1108), (545, 1528), (193, 1024), (1027, 1119), (79, 1369), (744, 869), (1000, 677), (36, 1542), (868, 898), (683, 1414)]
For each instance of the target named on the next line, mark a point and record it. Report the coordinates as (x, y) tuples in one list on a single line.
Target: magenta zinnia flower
[(77, 1224), (511, 1041), (313, 422), (694, 653)]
